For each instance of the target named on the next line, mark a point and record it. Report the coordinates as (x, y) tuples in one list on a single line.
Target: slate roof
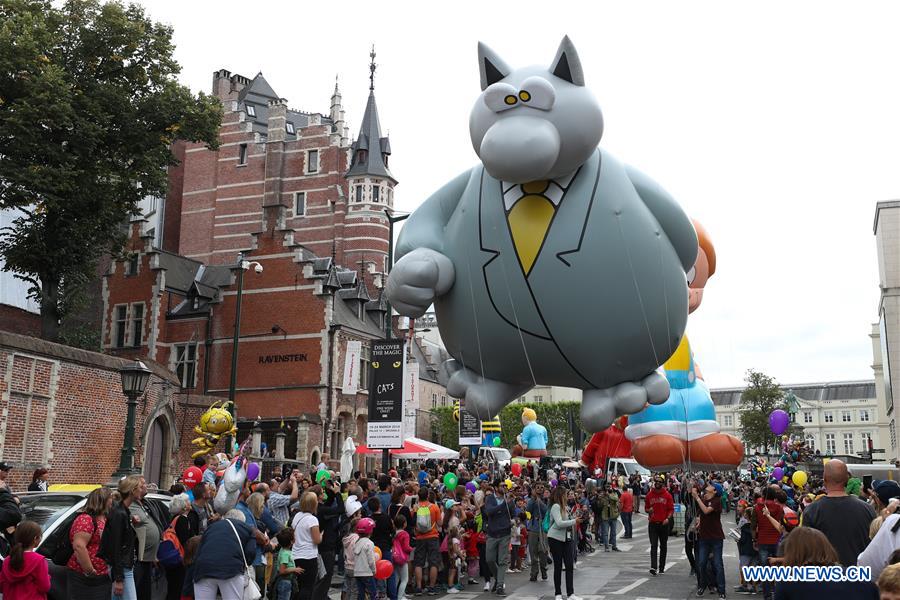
[(370, 139), (258, 94), (809, 392), (346, 316)]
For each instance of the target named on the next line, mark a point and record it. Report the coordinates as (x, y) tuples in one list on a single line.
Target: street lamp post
[(242, 266), (134, 381)]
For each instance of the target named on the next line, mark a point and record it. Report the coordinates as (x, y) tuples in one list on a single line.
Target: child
[(400, 552), (349, 541), (285, 582), (364, 560), (745, 551), (515, 556), (889, 583), (456, 556), (25, 573), (190, 552), (470, 543)]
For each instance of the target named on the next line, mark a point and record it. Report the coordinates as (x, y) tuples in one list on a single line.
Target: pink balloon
[(252, 471)]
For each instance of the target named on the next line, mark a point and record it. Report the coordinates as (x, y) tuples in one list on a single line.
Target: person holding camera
[(710, 536), (500, 507), (560, 537)]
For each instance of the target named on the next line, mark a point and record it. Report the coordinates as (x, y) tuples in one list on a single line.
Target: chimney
[(221, 84), (277, 120)]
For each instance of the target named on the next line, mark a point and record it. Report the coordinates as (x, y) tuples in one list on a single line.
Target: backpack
[(397, 553), (545, 526), (424, 525), (170, 552), (64, 549)]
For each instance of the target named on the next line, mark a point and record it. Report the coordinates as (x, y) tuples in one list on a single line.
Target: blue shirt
[(250, 521), (423, 477), (534, 436)]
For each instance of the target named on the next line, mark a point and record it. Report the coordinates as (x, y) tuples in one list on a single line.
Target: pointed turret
[(370, 151), (339, 125)]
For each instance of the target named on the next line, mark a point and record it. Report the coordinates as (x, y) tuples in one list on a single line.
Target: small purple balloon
[(471, 487), (252, 471), (779, 421), (553, 483), (777, 473)]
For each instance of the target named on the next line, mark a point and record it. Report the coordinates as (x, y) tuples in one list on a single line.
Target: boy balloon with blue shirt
[(533, 439)]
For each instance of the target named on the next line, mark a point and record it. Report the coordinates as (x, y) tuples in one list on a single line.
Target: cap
[(886, 490), (5, 466), (352, 506), (450, 504), (718, 487)]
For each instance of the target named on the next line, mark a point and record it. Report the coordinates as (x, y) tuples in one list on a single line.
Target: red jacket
[(659, 504), (31, 583)]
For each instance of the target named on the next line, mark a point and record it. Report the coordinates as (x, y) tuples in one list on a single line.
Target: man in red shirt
[(767, 517), (626, 507), (660, 507)]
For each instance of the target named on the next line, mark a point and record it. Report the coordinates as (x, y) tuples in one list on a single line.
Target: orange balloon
[(377, 553)]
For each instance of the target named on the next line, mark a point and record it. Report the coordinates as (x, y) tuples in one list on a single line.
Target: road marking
[(630, 586)]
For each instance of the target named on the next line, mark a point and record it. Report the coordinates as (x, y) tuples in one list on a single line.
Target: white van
[(626, 467), (497, 456)]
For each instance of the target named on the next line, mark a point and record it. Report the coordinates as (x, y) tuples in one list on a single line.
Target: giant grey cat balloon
[(551, 263)]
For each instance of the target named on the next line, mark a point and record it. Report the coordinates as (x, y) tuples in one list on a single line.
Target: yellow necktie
[(529, 219)]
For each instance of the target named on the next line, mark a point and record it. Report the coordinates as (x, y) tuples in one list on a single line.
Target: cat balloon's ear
[(491, 66), (567, 65)]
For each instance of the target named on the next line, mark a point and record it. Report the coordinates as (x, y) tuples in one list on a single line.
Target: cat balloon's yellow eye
[(501, 96), (524, 96), (397, 365), (375, 365)]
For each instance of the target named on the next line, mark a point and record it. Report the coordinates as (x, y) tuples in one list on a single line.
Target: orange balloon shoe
[(659, 452), (715, 451)]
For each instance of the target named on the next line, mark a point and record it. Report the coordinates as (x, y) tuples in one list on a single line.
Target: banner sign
[(350, 385), (410, 399), (385, 427), (469, 428)]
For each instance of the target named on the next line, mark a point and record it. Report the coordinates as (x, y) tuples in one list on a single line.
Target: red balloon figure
[(610, 443)]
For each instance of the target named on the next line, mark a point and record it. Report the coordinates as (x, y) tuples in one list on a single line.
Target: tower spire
[(372, 67)]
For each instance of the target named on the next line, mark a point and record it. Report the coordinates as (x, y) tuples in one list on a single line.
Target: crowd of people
[(443, 527)]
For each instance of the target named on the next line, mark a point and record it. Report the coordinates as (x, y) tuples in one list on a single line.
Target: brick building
[(46, 391), (289, 190)]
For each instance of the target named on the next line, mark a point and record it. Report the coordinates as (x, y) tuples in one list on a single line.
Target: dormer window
[(290, 128), (361, 157), (385, 158), (195, 303), (251, 110)]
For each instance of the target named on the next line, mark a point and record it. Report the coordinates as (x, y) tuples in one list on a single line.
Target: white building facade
[(886, 332)]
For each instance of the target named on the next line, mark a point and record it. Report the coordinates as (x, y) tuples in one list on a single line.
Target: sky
[(776, 125)]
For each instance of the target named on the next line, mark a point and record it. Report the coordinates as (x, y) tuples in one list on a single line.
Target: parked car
[(55, 512)]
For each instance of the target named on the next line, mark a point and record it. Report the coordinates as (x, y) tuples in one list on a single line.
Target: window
[(893, 431), (829, 417), (845, 416), (807, 416), (365, 356), (728, 420), (866, 440), (810, 442), (242, 154), (251, 110), (312, 161), (376, 191), (830, 446), (864, 415), (186, 364), (289, 127), (299, 204), (434, 401), (848, 443), (131, 265), (121, 326), (359, 193), (137, 324), (443, 400)]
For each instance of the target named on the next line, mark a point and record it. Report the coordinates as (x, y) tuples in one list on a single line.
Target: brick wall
[(62, 407), (16, 320)]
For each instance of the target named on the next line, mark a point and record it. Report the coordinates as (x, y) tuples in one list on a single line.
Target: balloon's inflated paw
[(599, 408), (483, 397), (417, 280)]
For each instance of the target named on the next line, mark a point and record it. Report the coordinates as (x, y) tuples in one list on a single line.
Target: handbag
[(251, 589), (322, 571)]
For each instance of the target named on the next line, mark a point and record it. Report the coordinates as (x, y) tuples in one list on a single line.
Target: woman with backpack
[(180, 526), (86, 573)]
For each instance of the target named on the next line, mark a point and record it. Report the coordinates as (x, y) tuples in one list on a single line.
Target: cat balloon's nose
[(520, 149)]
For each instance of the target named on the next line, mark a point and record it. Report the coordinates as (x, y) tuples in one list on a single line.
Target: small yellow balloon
[(508, 483), (527, 515), (784, 479), (799, 478)]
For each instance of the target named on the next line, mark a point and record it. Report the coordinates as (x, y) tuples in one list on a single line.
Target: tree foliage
[(557, 417), (761, 396), (89, 107)]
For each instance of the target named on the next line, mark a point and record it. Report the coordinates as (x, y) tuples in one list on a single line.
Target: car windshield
[(632, 468), (501, 453), (46, 509)]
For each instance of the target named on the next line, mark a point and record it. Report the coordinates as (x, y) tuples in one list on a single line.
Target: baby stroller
[(584, 536)]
